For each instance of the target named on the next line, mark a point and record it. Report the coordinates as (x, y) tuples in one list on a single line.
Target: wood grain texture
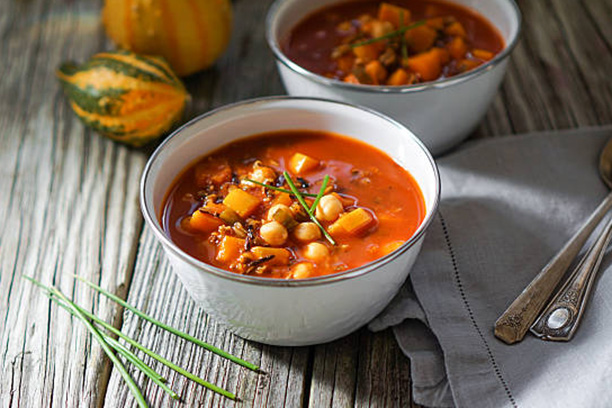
[(69, 204)]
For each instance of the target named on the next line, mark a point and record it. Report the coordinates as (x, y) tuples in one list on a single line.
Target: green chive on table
[(68, 204)]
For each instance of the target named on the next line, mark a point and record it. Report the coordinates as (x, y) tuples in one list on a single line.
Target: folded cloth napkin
[(507, 206)]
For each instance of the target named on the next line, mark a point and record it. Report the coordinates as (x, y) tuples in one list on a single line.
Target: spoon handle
[(512, 325), (560, 319)]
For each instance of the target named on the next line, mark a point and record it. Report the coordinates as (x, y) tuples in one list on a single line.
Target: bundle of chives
[(112, 347)]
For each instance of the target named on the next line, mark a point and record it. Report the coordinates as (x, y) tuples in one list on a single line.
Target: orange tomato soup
[(229, 209), (394, 43)]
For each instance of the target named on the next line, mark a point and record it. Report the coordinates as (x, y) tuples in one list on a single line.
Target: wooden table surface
[(68, 204)]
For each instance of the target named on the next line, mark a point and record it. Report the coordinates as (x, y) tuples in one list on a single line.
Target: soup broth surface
[(382, 201)]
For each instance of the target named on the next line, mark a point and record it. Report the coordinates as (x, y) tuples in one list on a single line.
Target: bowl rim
[(274, 45), (151, 218)]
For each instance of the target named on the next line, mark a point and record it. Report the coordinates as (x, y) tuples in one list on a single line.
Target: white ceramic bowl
[(278, 311), (440, 113)]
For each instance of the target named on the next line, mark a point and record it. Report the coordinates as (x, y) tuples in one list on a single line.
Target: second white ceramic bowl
[(440, 113), (278, 311)]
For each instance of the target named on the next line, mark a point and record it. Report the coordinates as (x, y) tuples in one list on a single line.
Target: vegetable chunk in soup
[(395, 43), (293, 205)]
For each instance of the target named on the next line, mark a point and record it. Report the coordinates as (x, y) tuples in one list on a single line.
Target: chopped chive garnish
[(301, 200), (404, 46), (321, 192), (100, 339), (392, 34), (164, 326), (282, 190)]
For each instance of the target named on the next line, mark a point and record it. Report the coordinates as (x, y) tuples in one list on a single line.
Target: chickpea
[(280, 213), (306, 232), (274, 233), (329, 208), (302, 270), (316, 251), (262, 173)]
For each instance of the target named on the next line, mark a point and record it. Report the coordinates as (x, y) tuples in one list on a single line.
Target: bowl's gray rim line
[(150, 217), (454, 80)]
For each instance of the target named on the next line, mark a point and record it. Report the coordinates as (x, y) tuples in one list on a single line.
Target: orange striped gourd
[(190, 34), (128, 97)]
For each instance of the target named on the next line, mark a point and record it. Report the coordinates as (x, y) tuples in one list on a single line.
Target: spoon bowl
[(519, 317)]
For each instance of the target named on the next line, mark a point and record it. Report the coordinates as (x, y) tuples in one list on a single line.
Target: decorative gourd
[(127, 97), (190, 34)]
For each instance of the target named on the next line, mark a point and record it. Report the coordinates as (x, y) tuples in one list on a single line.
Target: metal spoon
[(560, 319), (512, 325)]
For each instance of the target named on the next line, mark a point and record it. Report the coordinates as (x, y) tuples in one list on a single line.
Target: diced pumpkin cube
[(393, 14), (203, 222), (282, 198), (380, 28), (229, 249), (345, 63), (466, 64), (390, 247), (366, 53), (399, 77), (281, 255), (457, 48), (421, 38), (427, 64), (242, 202), (351, 79), (456, 29), (482, 54), (376, 71), (300, 163), (352, 223)]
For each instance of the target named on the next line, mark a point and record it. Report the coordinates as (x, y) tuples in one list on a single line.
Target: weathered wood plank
[(558, 74), (595, 61), (68, 206), (156, 290)]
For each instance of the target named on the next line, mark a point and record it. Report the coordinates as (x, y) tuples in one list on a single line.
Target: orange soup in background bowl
[(433, 65), (293, 221)]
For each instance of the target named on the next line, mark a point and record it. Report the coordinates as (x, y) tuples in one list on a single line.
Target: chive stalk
[(108, 344), (282, 190), (404, 46), (156, 356), (387, 36), (149, 372), (321, 191), (301, 200), (172, 330), (100, 339)]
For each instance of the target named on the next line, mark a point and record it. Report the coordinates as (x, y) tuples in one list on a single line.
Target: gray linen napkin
[(507, 206)]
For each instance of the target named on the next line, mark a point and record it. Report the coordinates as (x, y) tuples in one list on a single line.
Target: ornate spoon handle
[(561, 317), (512, 325)]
